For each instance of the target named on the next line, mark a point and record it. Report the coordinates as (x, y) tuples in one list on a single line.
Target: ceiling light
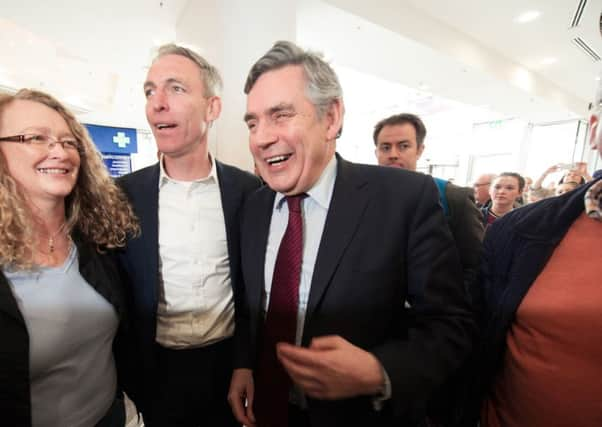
[(529, 16)]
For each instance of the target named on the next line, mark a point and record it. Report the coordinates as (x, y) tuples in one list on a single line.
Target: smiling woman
[(59, 212)]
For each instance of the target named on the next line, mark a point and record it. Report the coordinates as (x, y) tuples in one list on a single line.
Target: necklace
[(53, 236)]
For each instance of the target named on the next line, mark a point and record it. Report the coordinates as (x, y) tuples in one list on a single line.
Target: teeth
[(277, 159), (163, 126), (53, 170)]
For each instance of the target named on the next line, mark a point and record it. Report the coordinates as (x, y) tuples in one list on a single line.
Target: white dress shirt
[(196, 307), (314, 208)]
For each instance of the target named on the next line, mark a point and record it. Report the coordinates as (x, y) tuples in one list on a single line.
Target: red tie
[(272, 383)]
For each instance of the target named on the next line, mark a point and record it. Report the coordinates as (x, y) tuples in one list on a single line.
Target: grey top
[(71, 329)]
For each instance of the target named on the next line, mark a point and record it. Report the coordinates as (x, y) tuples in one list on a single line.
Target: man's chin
[(395, 165)]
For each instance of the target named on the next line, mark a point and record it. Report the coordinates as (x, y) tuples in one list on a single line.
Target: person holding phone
[(575, 174)]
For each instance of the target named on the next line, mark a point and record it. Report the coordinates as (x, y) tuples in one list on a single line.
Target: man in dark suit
[(184, 269), (399, 142), (352, 354)]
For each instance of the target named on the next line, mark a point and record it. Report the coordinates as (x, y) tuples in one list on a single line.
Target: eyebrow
[(270, 111), (171, 80), (394, 142), (46, 131)]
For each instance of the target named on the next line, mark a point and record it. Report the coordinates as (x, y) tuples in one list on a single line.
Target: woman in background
[(60, 293), (505, 189)]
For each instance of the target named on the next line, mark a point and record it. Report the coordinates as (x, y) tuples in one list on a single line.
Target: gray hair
[(209, 74), (323, 87)]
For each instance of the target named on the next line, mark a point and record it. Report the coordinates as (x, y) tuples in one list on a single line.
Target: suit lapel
[(349, 200), (148, 214), (257, 229), (230, 201)]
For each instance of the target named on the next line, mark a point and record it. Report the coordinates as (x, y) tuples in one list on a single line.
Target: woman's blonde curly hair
[(96, 208)]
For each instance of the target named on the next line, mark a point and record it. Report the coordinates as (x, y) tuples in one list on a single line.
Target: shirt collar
[(164, 178), (321, 192)]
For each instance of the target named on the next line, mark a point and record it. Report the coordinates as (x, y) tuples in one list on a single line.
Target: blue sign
[(114, 140), (117, 164)]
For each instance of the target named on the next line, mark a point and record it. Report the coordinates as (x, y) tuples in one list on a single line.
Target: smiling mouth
[(53, 171), (275, 160)]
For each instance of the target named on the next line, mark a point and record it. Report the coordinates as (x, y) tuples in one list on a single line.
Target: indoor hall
[(500, 87)]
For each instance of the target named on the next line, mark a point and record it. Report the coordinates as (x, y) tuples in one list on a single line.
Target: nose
[(56, 150), (158, 102), (263, 135), (394, 153)]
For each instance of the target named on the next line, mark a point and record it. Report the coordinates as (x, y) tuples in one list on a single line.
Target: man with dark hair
[(329, 251), (405, 152), (399, 141), (185, 267)]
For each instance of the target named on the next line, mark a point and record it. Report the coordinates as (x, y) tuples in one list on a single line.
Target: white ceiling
[(94, 54), (550, 36), (472, 50)]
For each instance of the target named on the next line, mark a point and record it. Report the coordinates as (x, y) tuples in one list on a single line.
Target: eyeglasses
[(38, 140), (481, 184)]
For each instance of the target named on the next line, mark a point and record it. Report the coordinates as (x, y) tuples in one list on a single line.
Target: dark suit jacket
[(384, 231), (140, 259), (467, 229)]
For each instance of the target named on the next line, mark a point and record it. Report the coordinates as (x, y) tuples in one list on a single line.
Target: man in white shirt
[(184, 269)]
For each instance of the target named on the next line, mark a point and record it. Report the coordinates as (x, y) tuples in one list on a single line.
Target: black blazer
[(384, 232), (140, 260), (101, 272), (466, 226)]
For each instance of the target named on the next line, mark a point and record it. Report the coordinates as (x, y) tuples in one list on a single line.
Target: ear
[(593, 130), (214, 108), (334, 119), (419, 150)]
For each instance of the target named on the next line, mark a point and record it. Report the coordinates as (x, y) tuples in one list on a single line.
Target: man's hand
[(240, 396), (332, 368)]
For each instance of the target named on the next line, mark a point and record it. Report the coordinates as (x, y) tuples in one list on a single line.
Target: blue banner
[(117, 164), (114, 140)]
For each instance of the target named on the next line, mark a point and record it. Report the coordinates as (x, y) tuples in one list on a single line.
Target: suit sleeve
[(440, 322), (466, 226), (242, 340), (242, 332)]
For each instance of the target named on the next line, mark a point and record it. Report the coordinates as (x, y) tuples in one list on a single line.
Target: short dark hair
[(401, 119), (519, 178)]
